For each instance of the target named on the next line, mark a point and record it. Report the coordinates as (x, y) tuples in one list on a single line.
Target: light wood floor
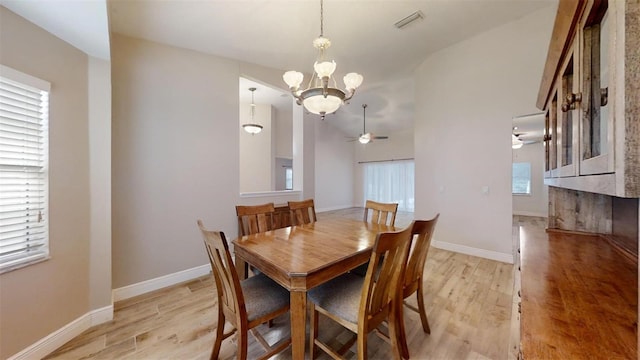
[(468, 300)]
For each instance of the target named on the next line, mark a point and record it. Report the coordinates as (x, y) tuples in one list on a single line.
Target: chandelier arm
[(296, 96), (349, 95)]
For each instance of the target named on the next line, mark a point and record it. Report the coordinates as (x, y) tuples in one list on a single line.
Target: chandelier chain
[(321, 19)]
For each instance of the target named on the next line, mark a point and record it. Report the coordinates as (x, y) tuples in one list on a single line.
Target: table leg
[(298, 314)]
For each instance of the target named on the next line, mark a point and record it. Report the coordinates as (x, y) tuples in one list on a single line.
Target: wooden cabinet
[(589, 93)]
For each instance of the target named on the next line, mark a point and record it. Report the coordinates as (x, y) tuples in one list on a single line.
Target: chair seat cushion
[(340, 296), (263, 296)]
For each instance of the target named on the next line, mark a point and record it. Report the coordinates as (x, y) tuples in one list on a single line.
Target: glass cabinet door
[(550, 135), (597, 119), (567, 124)]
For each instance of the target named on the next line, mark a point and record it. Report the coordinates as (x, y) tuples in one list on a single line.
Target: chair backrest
[(230, 296), (302, 212), (381, 285), (381, 212), (255, 219), (422, 234)]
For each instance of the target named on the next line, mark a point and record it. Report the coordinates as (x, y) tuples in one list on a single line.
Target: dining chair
[(302, 212), (412, 280), (254, 219), (381, 213), (362, 304), (245, 304)]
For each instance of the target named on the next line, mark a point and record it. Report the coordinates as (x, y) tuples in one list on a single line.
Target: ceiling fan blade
[(381, 137)]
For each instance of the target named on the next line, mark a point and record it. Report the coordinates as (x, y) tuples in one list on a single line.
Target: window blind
[(390, 182), (24, 113)]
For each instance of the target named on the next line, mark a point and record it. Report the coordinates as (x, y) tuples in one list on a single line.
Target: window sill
[(270, 193), (29, 262)]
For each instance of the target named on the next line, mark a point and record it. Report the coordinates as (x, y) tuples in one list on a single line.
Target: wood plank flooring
[(469, 304)]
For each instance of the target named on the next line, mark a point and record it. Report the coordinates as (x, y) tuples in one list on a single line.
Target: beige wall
[(466, 97), (100, 179), (175, 156), (39, 299)]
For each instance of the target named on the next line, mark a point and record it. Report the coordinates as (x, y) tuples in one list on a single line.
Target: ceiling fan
[(366, 137)]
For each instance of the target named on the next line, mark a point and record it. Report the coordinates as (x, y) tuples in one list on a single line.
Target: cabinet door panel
[(597, 119), (568, 124), (551, 134)]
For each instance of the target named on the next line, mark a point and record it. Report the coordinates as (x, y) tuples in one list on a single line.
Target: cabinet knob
[(570, 101)]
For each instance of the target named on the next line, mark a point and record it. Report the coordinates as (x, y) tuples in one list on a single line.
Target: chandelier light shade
[(252, 128), (320, 97)]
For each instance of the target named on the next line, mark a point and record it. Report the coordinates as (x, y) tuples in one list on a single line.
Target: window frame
[(20, 259), (288, 178)]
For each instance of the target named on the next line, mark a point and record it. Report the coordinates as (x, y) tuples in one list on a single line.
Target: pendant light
[(252, 128)]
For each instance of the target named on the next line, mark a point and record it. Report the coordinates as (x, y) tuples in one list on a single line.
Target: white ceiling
[(278, 34)]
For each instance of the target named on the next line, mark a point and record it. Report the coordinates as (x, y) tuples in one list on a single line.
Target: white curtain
[(390, 182)]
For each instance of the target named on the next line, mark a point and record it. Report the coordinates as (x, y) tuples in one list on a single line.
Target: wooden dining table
[(302, 257)]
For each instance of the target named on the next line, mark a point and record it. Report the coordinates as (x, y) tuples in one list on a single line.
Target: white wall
[(536, 204), (256, 155), (466, 96), (334, 159), (284, 132), (398, 146)]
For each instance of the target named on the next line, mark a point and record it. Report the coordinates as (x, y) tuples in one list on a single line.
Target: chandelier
[(322, 95), (252, 128)]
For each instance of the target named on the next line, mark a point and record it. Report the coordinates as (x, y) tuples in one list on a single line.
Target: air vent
[(409, 19)]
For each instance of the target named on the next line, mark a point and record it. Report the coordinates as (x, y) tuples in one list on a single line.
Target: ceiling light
[(364, 138), (515, 142), (252, 128), (409, 19), (318, 97)]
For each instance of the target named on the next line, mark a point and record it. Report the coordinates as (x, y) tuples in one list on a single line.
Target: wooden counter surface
[(579, 298)]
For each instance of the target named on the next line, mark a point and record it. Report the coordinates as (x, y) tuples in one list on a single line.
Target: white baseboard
[(487, 254), (144, 287), (530, 213), (335, 208), (51, 342)]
